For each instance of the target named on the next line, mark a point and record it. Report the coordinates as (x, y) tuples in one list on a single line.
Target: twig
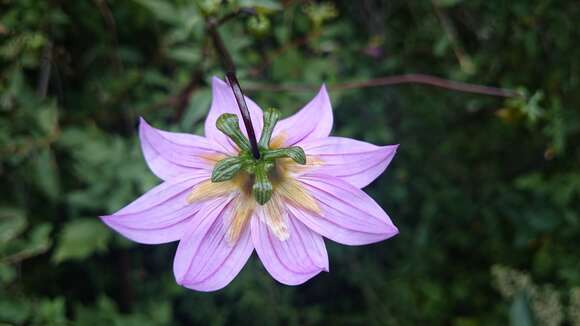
[(449, 29), (230, 69), (32, 145), (19, 256), (182, 100), (112, 26), (394, 80)]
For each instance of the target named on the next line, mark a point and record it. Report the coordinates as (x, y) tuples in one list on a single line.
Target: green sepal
[(262, 188), (229, 124), (271, 117), (295, 153), (226, 169)]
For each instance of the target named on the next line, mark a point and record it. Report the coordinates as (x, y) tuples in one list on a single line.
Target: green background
[(485, 190)]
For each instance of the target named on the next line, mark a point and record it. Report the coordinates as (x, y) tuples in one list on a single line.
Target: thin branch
[(449, 29), (112, 27), (181, 101), (32, 145), (230, 69), (395, 80)]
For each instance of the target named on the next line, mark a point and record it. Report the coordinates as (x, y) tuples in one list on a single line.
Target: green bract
[(226, 169), (260, 168), (229, 125)]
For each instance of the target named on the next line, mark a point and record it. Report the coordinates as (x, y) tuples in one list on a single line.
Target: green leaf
[(262, 6), (20, 249), (448, 3), (51, 312), (7, 273), (14, 310), (162, 10), (12, 223), (80, 239), (47, 176), (197, 110), (184, 54)]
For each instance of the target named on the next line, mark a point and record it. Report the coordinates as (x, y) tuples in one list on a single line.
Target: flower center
[(262, 186), (285, 191), (259, 173)]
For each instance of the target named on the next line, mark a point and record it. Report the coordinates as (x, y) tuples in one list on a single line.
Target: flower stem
[(235, 85), (230, 69)]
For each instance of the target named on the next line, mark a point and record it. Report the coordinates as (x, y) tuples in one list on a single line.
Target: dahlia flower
[(221, 203)]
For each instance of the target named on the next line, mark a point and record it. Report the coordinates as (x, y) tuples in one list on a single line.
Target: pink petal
[(204, 260), (295, 260), (170, 154), (311, 122), (349, 216), (353, 161), (223, 101), (161, 214)]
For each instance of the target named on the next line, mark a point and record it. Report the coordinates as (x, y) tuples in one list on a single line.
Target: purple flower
[(221, 212)]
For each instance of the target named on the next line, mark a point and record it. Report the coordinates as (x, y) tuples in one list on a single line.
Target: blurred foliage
[(477, 182), (531, 302)]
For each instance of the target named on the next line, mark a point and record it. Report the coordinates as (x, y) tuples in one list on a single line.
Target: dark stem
[(235, 85), (230, 69)]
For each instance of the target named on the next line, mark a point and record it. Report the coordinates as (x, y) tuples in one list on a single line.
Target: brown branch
[(449, 29), (32, 145), (394, 80), (182, 100), (112, 27)]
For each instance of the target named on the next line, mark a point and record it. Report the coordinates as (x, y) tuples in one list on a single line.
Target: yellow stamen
[(289, 166), (293, 192), (208, 189), (213, 158), (276, 217), (242, 211), (278, 141)]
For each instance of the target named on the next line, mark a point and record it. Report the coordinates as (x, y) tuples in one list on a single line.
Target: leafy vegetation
[(479, 184)]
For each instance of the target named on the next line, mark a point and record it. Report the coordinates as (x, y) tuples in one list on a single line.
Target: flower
[(221, 204)]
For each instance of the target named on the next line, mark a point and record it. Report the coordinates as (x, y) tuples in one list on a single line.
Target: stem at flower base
[(239, 95), (230, 69)]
